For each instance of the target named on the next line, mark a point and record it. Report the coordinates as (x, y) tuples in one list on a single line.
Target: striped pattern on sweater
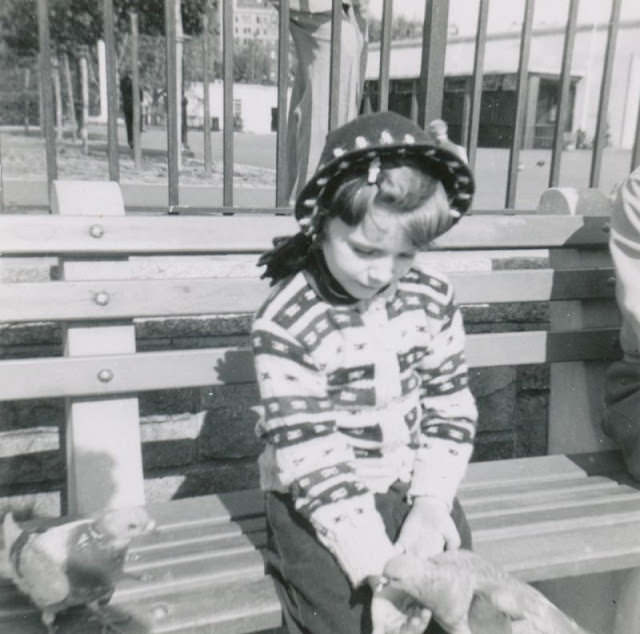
[(358, 396)]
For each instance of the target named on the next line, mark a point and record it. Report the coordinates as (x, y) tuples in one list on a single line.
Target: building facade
[(255, 20), (499, 84)]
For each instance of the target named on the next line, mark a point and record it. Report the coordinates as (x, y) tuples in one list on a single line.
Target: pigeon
[(448, 583), (74, 563)]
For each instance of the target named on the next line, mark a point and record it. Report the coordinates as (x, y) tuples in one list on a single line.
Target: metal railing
[(430, 89)]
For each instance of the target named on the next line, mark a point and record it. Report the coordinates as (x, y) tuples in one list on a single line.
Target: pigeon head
[(124, 524)]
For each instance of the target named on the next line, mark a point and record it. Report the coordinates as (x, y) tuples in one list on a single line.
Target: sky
[(507, 14)]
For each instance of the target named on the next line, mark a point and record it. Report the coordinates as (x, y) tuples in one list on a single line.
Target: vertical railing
[(521, 99), (173, 125), (336, 54), (426, 104), (46, 91), (599, 139), (206, 106), (135, 87), (227, 74), (434, 42), (385, 56), (563, 99), (477, 81), (112, 93), (282, 173)]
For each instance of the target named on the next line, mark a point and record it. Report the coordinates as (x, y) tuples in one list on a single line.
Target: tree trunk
[(84, 81), (27, 81), (71, 108), (57, 91)]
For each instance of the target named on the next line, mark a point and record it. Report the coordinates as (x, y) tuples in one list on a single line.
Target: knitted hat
[(366, 142)]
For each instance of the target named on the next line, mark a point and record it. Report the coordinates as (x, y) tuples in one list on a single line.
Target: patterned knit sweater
[(358, 396)]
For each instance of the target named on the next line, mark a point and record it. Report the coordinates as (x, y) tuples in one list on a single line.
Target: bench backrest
[(100, 292)]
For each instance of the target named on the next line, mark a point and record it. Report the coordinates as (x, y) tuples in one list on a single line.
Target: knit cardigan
[(359, 396)]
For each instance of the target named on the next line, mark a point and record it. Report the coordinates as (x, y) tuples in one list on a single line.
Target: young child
[(359, 350)]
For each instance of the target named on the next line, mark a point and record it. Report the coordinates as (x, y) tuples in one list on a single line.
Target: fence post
[(112, 94), (135, 87), (434, 43), (102, 434), (46, 91), (206, 119), (173, 108), (84, 91)]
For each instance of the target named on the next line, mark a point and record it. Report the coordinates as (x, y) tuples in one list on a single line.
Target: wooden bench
[(569, 521)]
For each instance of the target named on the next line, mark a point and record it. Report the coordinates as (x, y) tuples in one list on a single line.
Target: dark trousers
[(316, 596)]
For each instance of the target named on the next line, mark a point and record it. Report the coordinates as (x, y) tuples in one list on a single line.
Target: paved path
[(491, 165), (259, 150)]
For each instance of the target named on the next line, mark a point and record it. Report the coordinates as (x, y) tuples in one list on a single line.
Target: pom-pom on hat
[(365, 143)]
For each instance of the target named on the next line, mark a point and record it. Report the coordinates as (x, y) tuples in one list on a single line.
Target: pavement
[(259, 150)]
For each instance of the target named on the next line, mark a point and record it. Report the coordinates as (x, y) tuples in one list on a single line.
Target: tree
[(401, 29), (253, 63), (74, 23)]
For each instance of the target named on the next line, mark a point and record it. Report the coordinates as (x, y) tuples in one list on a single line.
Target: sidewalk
[(23, 196)]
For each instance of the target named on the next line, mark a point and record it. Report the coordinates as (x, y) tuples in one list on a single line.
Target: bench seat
[(557, 519), (202, 571)]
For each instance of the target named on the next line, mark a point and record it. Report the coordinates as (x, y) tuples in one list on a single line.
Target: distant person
[(438, 130), (126, 95), (308, 117), (184, 125), (622, 388)]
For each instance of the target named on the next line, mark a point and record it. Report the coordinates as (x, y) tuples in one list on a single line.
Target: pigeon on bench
[(75, 563), (447, 583)]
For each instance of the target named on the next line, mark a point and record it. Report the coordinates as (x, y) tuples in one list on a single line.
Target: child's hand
[(428, 528), (395, 612)]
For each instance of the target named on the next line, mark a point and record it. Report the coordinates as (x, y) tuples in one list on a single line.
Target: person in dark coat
[(126, 95)]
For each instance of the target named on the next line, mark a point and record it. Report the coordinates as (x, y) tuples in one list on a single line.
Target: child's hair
[(403, 189)]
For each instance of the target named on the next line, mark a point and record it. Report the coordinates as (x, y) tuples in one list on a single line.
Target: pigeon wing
[(40, 569)]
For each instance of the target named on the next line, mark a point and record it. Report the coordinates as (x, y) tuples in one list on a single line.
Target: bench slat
[(492, 497), (577, 551), (178, 572), (232, 608), (199, 532), (551, 503), (500, 473), (20, 235), (199, 551), (143, 561), (551, 518), (173, 369), (46, 301)]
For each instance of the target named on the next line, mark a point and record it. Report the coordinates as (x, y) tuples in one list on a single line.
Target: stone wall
[(201, 440)]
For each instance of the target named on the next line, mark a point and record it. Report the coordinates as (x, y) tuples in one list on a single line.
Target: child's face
[(369, 256)]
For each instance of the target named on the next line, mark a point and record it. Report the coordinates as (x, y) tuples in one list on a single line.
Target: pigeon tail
[(11, 532)]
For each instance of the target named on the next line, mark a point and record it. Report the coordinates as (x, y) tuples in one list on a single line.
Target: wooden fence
[(429, 97)]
